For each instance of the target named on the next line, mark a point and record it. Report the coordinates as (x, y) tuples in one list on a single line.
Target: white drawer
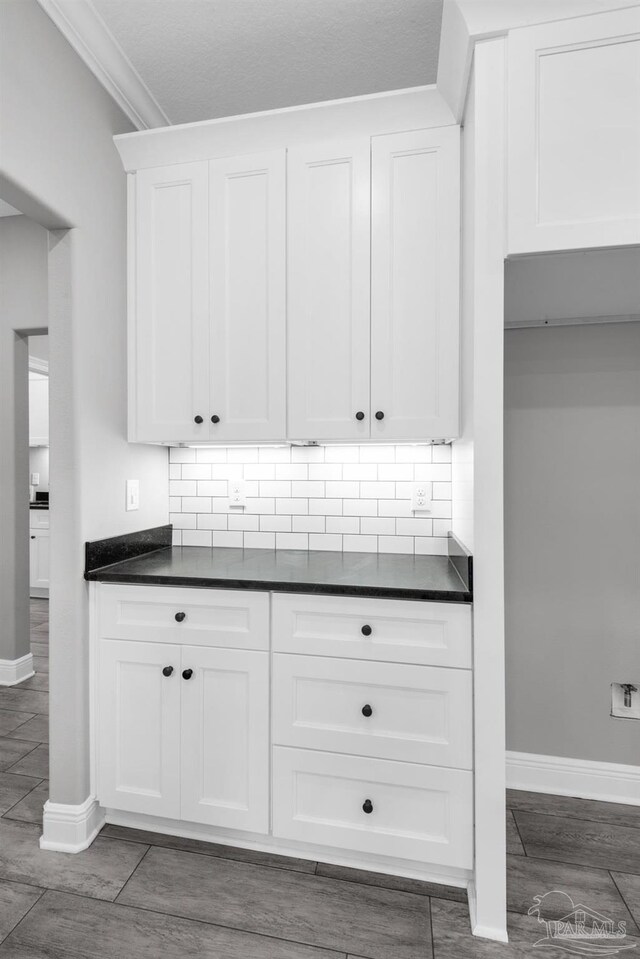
[(419, 714), (417, 812), (429, 634), (238, 619), (38, 519)]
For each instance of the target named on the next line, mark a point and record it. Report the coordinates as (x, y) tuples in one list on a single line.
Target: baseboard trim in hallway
[(14, 671), (67, 828), (582, 778)]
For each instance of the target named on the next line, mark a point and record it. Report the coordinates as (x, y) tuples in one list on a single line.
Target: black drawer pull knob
[(215, 418), (180, 617), (367, 806), (33, 537), (379, 415), (367, 710), (366, 630), (198, 420), (187, 673), (359, 415), (167, 670)]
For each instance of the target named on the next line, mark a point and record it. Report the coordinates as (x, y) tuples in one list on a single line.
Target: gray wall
[(572, 505), (58, 164), (23, 306)]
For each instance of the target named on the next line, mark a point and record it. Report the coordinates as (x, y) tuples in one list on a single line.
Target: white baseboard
[(477, 928), (582, 778), (13, 671), (71, 828)]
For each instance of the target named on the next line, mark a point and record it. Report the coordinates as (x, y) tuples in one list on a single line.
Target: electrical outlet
[(421, 498), (132, 494), (625, 700), (237, 493), (35, 479)]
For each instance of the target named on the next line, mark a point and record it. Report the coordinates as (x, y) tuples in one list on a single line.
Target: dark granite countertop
[(387, 575)]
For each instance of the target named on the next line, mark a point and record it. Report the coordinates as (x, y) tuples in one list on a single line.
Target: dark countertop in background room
[(386, 575)]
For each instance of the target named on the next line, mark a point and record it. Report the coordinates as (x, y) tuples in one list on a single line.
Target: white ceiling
[(202, 59)]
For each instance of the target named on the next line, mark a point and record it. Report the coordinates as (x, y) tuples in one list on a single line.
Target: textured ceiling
[(203, 59)]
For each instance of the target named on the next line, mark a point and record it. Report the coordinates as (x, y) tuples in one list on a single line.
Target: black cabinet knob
[(359, 415), (33, 537), (167, 670), (215, 418), (180, 617), (367, 806), (187, 673), (198, 420), (366, 630), (367, 710), (379, 415)]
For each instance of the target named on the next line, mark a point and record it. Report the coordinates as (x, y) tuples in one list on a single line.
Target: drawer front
[(419, 714), (417, 812), (401, 631), (237, 619), (38, 519)]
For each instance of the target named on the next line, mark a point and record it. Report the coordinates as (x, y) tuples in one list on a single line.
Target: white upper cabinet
[(574, 133), (247, 236), (414, 284), (329, 296), (169, 336)]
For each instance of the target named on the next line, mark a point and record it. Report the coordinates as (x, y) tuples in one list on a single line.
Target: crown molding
[(84, 29)]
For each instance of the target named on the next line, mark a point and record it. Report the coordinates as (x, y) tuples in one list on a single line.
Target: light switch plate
[(35, 479), (237, 493), (132, 494)]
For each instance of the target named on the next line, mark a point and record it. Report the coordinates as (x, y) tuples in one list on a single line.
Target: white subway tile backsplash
[(275, 524), (328, 541), (360, 544), (259, 540), (343, 524), (308, 524), (176, 537), (352, 498), (196, 537), (292, 541)]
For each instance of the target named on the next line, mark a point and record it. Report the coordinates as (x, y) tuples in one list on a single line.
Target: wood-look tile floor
[(139, 895)]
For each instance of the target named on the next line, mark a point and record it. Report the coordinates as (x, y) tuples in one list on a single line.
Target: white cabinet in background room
[(39, 561), (207, 333), (574, 133), (329, 213)]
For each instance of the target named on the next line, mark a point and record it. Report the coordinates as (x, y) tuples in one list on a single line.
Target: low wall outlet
[(133, 494), (421, 498), (237, 493), (625, 700)]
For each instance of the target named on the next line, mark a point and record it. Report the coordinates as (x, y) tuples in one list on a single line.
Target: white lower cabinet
[(39, 561), (286, 718), (402, 810), (181, 733)]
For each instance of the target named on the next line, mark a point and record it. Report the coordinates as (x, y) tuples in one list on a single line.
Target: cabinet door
[(138, 719), (169, 339), (574, 133), (328, 275), (225, 738), (415, 285), (39, 559), (247, 275)]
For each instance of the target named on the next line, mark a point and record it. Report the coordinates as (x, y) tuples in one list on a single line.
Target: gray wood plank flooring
[(142, 895)]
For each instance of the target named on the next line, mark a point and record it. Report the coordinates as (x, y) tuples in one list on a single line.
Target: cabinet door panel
[(138, 728), (329, 270), (225, 738), (39, 559), (415, 284), (169, 352), (248, 331), (574, 133)]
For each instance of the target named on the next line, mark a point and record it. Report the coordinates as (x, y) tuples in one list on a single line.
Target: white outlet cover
[(421, 497), (237, 493), (132, 494)]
